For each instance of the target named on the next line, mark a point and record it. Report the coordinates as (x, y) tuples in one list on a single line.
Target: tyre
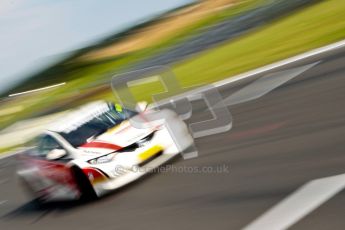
[(85, 187)]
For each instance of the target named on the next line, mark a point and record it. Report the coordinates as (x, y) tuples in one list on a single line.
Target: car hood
[(115, 139)]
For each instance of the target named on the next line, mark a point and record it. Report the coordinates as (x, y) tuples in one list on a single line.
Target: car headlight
[(142, 142), (110, 157), (103, 159)]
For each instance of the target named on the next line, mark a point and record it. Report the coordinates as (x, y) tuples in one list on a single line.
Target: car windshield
[(97, 125)]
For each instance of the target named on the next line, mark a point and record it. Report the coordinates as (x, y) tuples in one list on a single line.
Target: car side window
[(47, 144)]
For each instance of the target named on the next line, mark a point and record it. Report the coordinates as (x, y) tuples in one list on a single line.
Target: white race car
[(94, 150)]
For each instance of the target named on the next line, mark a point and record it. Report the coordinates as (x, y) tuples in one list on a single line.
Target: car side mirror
[(56, 154), (141, 106)]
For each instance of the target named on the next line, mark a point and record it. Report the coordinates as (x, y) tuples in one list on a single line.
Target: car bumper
[(128, 175)]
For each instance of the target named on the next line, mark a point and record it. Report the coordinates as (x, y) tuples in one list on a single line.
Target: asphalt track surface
[(278, 142)]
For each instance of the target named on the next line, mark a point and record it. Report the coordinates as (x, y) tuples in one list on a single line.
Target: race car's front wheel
[(85, 187)]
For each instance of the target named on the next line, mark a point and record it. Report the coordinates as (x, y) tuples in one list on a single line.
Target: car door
[(50, 176)]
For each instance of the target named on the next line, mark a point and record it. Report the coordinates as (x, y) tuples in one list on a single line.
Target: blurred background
[(57, 55)]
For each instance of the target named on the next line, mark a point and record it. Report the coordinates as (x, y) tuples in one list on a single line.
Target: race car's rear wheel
[(85, 187)]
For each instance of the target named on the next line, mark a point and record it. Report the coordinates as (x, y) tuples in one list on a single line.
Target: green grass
[(9, 149), (212, 19), (101, 66), (315, 26), (309, 28)]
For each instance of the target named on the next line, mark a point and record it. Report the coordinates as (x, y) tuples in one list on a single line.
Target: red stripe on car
[(102, 145)]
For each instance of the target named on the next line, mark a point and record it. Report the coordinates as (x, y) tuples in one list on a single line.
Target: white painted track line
[(299, 204), (278, 64), (6, 155), (308, 54), (3, 202)]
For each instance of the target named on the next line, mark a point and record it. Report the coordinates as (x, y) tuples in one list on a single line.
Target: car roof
[(80, 116)]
